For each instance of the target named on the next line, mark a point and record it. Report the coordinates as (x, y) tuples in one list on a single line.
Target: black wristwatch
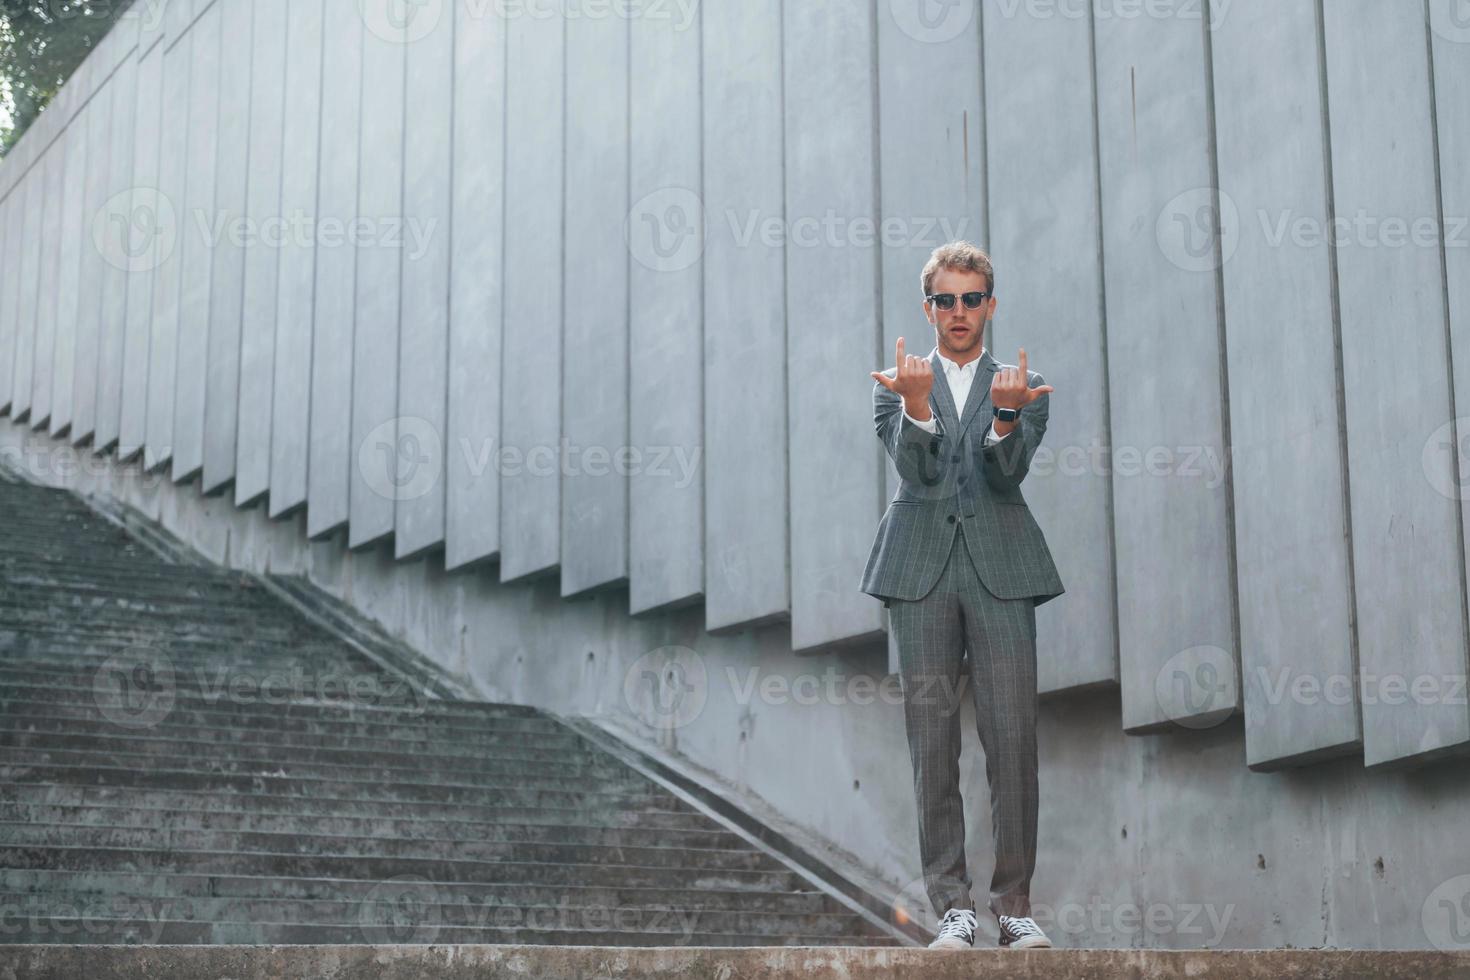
[(1007, 414)]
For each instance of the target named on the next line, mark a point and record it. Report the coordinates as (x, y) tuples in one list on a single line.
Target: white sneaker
[(956, 930), (1022, 932)]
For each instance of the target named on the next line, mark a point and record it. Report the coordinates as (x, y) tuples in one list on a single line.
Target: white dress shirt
[(960, 378)]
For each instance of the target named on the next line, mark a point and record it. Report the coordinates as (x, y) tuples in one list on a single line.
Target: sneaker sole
[(951, 944), (1029, 944)]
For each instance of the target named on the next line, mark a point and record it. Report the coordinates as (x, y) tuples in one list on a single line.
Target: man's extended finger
[(1023, 362)]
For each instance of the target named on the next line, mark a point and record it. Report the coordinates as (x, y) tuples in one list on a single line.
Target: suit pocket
[(1016, 501)]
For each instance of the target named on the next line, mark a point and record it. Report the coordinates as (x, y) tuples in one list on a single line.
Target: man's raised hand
[(1010, 387), (913, 380)]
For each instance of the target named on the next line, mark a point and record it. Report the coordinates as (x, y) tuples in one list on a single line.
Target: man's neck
[(961, 363)]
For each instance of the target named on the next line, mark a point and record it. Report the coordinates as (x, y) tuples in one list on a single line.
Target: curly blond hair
[(960, 256)]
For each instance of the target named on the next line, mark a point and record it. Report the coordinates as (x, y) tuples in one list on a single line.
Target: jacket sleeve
[(914, 451), (1007, 461)]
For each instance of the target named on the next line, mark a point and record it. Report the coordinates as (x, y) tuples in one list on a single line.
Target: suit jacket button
[(951, 518)]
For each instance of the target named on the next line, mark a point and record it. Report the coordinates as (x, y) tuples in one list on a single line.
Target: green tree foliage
[(41, 44)]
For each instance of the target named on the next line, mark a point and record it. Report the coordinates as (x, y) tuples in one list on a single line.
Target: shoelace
[(959, 923), (1021, 926)]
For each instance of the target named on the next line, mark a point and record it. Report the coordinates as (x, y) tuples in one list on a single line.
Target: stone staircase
[(190, 755)]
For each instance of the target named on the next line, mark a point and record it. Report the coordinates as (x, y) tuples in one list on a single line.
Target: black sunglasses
[(945, 301)]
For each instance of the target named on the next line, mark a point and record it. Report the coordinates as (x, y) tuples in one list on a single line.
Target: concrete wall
[(556, 331)]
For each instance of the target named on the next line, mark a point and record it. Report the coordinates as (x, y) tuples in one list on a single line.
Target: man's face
[(959, 329)]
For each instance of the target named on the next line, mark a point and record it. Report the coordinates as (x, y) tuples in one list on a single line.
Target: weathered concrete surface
[(746, 963), (1160, 841)]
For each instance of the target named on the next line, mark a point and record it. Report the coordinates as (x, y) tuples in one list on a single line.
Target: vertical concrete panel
[(530, 481), (666, 375), (150, 18), (33, 186), (1450, 41), (375, 464), (1290, 511), (77, 179), (91, 271), (477, 290), (211, 61), (235, 151), (1044, 218), (423, 364), (1175, 604), (108, 230), (136, 237), (168, 252), (931, 168), (336, 278), (296, 254), (932, 158), (12, 242), (833, 299), (177, 16), (252, 429), (594, 506), (68, 306), (1406, 531), (47, 294), (747, 580)]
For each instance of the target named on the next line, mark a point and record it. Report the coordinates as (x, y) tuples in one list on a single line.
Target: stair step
[(142, 885), (405, 908), (132, 574), (135, 929), (244, 688), (548, 829), (477, 772), (512, 744), (247, 704), (398, 755), (82, 858), (203, 663), (522, 789), (306, 719), (313, 845), (49, 619), (657, 811), (58, 648)]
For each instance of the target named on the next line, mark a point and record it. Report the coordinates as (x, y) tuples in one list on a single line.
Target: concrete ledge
[(745, 963)]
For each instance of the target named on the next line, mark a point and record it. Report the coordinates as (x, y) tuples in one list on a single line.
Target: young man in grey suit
[(961, 565)]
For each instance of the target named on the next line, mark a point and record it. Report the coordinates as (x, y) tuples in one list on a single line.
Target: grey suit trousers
[(960, 615)]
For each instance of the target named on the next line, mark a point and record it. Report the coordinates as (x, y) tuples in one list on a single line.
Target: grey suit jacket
[(951, 477)]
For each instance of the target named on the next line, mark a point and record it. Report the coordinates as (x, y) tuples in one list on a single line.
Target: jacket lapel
[(941, 400)]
